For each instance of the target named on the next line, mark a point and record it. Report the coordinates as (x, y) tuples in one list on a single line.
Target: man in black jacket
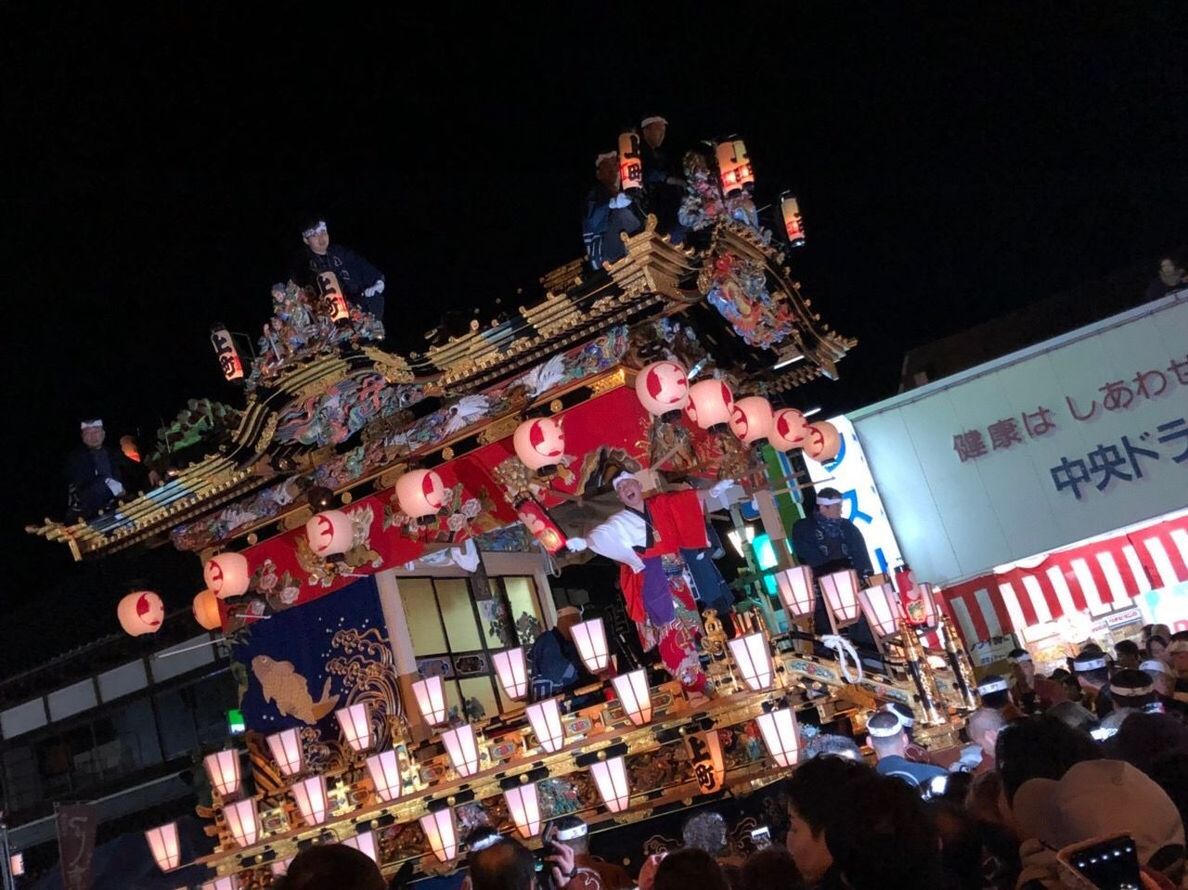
[(361, 282), (93, 474)]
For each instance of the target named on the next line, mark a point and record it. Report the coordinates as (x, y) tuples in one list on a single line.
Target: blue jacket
[(354, 273)]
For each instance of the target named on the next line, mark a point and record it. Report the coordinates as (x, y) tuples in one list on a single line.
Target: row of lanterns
[(846, 599)]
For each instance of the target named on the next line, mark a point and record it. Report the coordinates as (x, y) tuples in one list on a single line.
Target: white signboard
[(1065, 440)]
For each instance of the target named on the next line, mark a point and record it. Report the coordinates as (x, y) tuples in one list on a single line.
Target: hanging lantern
[(540, 444), (545, 718), (710, 404), (141, 612), (222, 768), (823, 442), (227, 575), (881, 606), (227, 882), (590, 639), (538, 521), (751, 420), (206, 610), (841, 596), (310, 797), (919, 605), (611, 778), (512, 671), (356, 725), (793, 221), (420, 493), (224, 346), (709, 766), (630, 162), (780, 735), (752, 657), (734, 166), (430, 695), (364, 842), (242, 821), (16, 864), (460, 744), (330, 533), (635, 695), (280, 867), (442, 833), (163, 844), (662, 388), (384, 769), (287, 750), (331, 292), (524, 806), (797, 592), (789, 429)]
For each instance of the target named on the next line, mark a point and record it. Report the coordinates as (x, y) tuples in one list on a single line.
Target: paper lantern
[(881, 606), (206, 610), (630, 162), (384, 769), (662, 388), (512, 671), (227, 575), (331, 292), (611, 778), (734, 167), (635, 695), (841, 596), (355, 722), (287, 750), (752, 657), (227, 882), (789, 429), (16, 865), (538, 521), (524, 806), (141, 613), (709, 765), (710, 404), (793, 221), (330, 533), (242, 821), (797, 592), (919, 605), (590, 639), (751, 419), (224, 346), (442, 833), (430, 696), (222, 768), (420, 493), (780, 735), (823, 442), (545, 718), (539, 443), (364, 842), (163, 844), (462, 747), (310, 797)]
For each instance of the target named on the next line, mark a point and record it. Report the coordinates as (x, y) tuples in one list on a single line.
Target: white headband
[(1155, 666), (654, 119), (998, 685), (1019, 659), (828, 502), (623, 477), (1131, 691), (605, 156), (889, 731), (572, 834), (1092, 664), (483, 842), (91, 425), (320, 227), (904, 720)]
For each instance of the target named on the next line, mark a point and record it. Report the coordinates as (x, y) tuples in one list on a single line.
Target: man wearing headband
[(361, 282), (1177, 657), (1023, 673), (610, 213), (575, 833), (830, 543), (1164, 682), (94, 474), (890, 741), (663, 186), (1093, 676)]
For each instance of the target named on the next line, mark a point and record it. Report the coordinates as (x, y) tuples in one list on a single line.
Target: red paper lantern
[(141, 612), (789, 429), (330, 532), (823, 441), (662, 387), (206, 610), (751, 419), (539, 443), (227, 575), (630, 162), (420, 493), (734, 167), (711, 404), (793, 221)]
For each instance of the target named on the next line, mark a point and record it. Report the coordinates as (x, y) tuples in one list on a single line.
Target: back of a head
[(573, 832), (705, 831), (686, 869), (332, 865), (1142, 738), (961, 842), (828, 744), (772, 868), (505, 865), (1072, 714), (1039, 748), (813, 789), (886, 732), (983, 721)]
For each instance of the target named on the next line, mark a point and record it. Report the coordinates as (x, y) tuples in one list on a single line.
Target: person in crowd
[(889, 740), (94, 474), (983, 728), (361, 282), (816, 793), (771, 868), (1093, 676), (332, 865), (705, 831), (961, 844), (556, 666), (1074, 715), (1133, 690), (1169, 770), (1023, 673), (610, 212), (1155, 640), (1172, 277), (1164, 681), (1144, 738), (664, 187), (685, 869), (829, 744), (1177, 657), (907, 719), (1039, 747), (575, 833), (1000, 849), (995, 692), (1127, 655), (507, 864)]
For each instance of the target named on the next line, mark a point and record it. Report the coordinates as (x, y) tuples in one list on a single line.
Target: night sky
[(951, 166)]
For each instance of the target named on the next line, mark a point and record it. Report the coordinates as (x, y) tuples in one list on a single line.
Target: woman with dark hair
[(1039, 747)]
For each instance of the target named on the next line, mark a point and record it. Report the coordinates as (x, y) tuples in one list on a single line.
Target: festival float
[(348, 470)]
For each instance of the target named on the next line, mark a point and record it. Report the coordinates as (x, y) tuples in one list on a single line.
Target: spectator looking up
[(815, 801), (1172, 276)]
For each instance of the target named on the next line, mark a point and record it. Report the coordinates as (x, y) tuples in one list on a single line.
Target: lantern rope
[(845, 650)]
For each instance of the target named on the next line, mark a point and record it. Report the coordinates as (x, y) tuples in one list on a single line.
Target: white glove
[(116, 488), (377, 288), (718, 487), (619, 201), (577, 545)]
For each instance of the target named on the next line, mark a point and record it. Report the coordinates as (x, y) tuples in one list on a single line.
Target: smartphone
[(544, 873), (1103, 863), (761, 837)]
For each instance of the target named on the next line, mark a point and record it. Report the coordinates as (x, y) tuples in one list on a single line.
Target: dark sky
[(952, 164)]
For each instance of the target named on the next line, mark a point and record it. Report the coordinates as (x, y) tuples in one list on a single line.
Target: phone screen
[(761, 837), (1111, 864)]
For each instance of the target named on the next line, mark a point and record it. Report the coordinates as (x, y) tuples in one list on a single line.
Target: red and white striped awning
[(1095, 577)]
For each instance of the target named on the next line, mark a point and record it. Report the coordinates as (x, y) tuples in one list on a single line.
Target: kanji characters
[(1070, 474), (1106, 462), (1117, 395), (1170, 432), (1005, 433), (969, 445), (1038, 422)]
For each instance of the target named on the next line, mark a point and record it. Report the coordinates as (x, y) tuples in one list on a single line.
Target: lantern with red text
[(711, 404), (919, 605), (330, 533), (630, 162), (734, 167), (823, 442), (789, 429), (420, 493), (662, 388), (793, 221), (224, 346), (141, 613), (540, 444), (331, 292), (206, 611), (751, 420), (797, 591), (227, 575), (709, 766), (538, 521)]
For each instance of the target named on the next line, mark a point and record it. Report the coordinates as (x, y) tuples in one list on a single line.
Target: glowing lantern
[(793, 221), (331, 291), (310, 797), (242, 821), (206, 610), (364, 842), (590, 639), (287, 751), (780, 735), (734, 167), (881, 606), (751, 419), (630, 163), (611, 778), (545, 717), (709, 766), (224, 346), (356, 725), (430, 695), (662, 387), (163, 844), (841, 596), (753, 659), (823, 443), (797, 592), (789, 429), (635, 695), (420, 493), (222, 768), (512, 671), (385, 772), (442, 833), (330, 533), (919, 606), (227, 882), (280, 867), (538, 521), (524, 806), (16, 864), (141, 613), (710, 404), (540, 444), (460, 744), (227, 575)]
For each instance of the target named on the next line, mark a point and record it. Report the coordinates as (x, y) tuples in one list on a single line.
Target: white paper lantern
[(287, 750), (545, 718), (141, 612), (710, 404), (539, 443), (355, 722), (780, 735), (789, 429), (590, 639), (662, 387), (330, 533), (752, 657), (882, 608), (635, 695), (512, 670), (430, 696), (310, 797), (524, 806), (364, 842), (242, 821), (222, 768), (384, 769), (751, 419), (797, 591), (611, 778), (420, 493), (227, 575), (840, 590), (462, 747), (442, 833), (164, 846)]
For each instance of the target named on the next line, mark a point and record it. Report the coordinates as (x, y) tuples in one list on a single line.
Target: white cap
[(91, 425), (572, 834), (621, 478), (1155, 666), (653, 119)]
